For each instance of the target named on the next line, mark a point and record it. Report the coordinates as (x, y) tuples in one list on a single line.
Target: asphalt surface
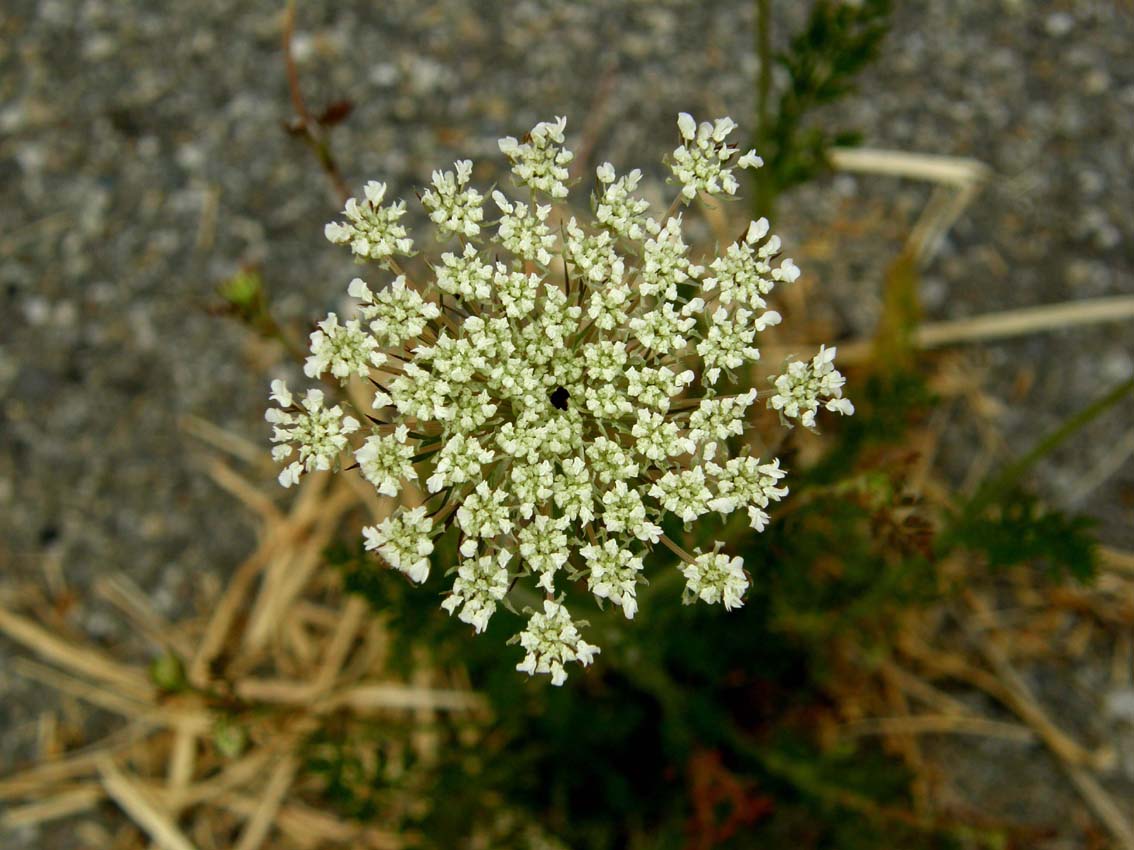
[(142, 162)]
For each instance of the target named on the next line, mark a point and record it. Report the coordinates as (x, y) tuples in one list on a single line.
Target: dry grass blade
[(37, 780), (81, 660), (260, 824), (1116, 560), (62, 804), (286, 577), (992, 326), (948, 724), (100, 696), (1028, 709), (947, 170), (1103, 805), (141, 808), (237, 485), (1027, 320), (226, 441), (121, 592)]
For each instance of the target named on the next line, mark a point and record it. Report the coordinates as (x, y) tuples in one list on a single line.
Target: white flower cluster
[(701, 162), (805, 386), (555, 388)]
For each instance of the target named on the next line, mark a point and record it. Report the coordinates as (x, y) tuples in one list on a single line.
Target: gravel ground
[(142, 162)]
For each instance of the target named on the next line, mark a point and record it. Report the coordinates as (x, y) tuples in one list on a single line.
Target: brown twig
[(301, 124)]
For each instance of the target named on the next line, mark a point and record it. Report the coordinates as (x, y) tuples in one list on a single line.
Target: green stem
[(1012, 473)]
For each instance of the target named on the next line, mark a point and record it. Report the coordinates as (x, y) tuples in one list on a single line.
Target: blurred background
[(147, 164)]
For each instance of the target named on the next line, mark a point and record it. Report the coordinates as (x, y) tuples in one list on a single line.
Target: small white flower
[(405, 540), (517, 291), (451, 206), (659, 438), (728, 344), (573, 491), (593, 256), (465, 275), (623, 511), (701, 162), (459, 462), (683, 493), (523, 229), (541, 160), (610, 461), (371, 230), (318, 433), (604, 360), (655, 387), (531, 485), (713, 578), (387, 460), (717, 419), (805, 386), (472, 410), (523, 439), (420, 394), (607, 306), (746, 482), (663, 329), (543, 546), (616, 207), (745, 273), (750, 160), (343, 350), (485, 513), (551, 640), (664, 265), (396, 313), (480, 584), (614, 574)]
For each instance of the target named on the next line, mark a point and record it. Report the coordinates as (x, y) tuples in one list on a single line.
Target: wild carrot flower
[(555, 387)]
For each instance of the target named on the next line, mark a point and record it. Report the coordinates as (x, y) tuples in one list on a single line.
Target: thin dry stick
[(182, 761), (994, 326), (95, 695), (938, 217), (235, 775), (260, 824), (1027, 320), (141, 808), (298, 821), (121, 592), (1110, 463), (303, 513), (84, 661), (336, 652), (216, 632), (236, 484), (959, 668), (226, 441), (303, 124), (1116, 560), (287, 577), (35, 780), (389, 696), (920, 689), (66, 654), (1030, 712), (63, 804), (937, 724), (909, 746), (949, 170), (1103, 805)]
